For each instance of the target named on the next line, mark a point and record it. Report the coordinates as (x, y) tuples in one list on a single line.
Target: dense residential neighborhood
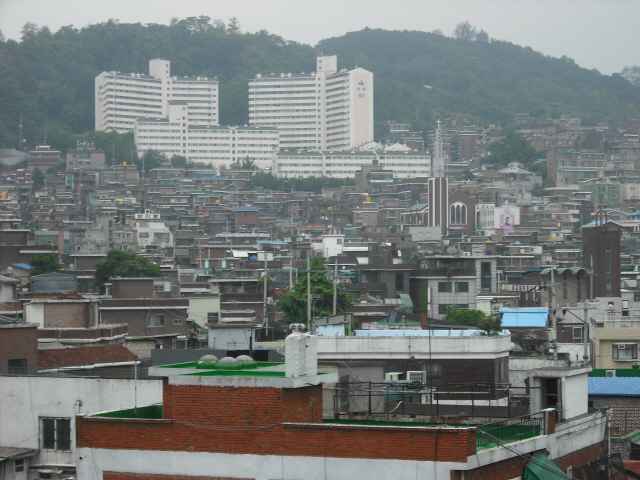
[(306, 296)]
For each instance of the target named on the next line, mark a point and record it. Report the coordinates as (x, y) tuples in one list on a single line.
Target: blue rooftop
[(245, 209), (524, 317), (614, 386), (24, 266)]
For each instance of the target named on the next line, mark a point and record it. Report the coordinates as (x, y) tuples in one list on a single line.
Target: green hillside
[(49, 77)]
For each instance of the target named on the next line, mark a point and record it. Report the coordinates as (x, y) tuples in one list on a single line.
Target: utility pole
[(585, 356), (591, 280), (554, 326), (335, 286), (291, 273), (308, 292), (20, 146), (265, 315)]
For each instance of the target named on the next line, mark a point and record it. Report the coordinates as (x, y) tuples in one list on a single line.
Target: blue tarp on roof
[(615, 386), (24, 266), (524, 317), (245, 209)]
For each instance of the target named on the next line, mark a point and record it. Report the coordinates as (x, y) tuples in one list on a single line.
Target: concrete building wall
[(56, 397), (200, 307), (603, 246), (605, 338)]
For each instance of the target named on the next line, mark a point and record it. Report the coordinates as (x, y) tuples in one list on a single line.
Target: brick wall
[(221, 405), (579, 457), (504, 470), (621, 445), (252, 421), (66, 315), (514, 467), (19, 342), (625, 413), (142, 288)]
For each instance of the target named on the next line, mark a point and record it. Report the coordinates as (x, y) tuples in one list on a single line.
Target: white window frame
[(154, 320), (624, 346)]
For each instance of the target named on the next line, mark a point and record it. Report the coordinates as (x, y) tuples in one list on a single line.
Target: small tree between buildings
[(42, 263), (123, 263), (37, 179), (294, 303), (477, 318)]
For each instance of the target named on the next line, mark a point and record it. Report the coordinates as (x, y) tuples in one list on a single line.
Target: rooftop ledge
[(257, 375), (487, 435)]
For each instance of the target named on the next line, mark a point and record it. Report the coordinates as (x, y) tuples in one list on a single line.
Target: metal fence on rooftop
[(415, 399)]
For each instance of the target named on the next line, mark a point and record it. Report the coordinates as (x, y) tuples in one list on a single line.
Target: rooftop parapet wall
[(287, 439), (400, 347)]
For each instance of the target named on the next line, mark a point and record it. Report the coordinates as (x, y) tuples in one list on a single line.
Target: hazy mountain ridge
[(49, 77)]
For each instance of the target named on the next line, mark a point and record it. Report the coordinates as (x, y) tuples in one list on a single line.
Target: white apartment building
[(121, 98), (211, 144), (323, 110), (301, 163)]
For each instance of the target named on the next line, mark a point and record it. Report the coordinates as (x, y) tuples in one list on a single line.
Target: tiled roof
[(73, 357), (614, 386)]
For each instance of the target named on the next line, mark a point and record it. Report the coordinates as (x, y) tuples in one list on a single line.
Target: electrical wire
[(228, 429)]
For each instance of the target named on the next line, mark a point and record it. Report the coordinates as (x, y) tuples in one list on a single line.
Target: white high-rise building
[(211, 144), (345, 164), (323, 110), (122, 98)]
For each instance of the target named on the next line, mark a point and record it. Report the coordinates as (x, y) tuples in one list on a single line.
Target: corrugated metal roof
[(417, 206), (245, 209), (614, 386), (524, 317)]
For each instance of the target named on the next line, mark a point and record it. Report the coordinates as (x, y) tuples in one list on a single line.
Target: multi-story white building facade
[(301, 163), (122, 98), (211, 144), (323, 110)]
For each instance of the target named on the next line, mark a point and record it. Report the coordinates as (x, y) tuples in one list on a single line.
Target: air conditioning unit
[(466, 254), (622, 347), (417, 376), (611, 373), (392, 376)]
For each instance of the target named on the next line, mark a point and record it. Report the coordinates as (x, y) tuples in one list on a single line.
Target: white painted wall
[(34, 313), (240, 338), (260, 467), (575, 393), (24, 400), (384, 348), (199, 307)]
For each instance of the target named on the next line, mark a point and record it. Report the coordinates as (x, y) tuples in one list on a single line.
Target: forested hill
[(49, 77)]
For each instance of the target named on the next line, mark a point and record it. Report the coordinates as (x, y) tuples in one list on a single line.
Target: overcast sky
[(600, 34)]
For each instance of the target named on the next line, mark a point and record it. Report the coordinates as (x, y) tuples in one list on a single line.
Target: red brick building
[(18, 348), (265, 421)]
